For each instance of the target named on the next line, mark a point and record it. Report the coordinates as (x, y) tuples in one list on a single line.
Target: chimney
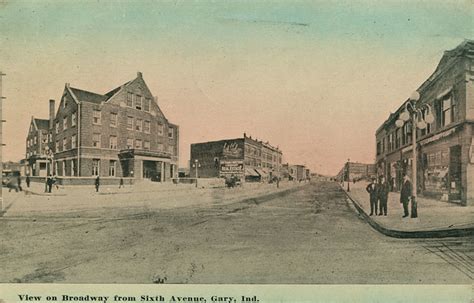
[(139, 75), (51, 113)]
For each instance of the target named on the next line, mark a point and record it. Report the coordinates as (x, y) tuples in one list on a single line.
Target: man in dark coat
[(19, 182), (97, 184), (27, 181), (49, 183), (405, 194), (372, 190), (383, 189)]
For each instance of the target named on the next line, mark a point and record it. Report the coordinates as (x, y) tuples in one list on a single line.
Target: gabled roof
[(86, 96), (83, 95), (41, 123), (115, 90)]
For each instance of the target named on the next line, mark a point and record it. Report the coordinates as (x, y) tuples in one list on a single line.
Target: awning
[(251, 172), (261, 172)]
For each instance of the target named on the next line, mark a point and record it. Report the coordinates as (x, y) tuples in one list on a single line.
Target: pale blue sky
[(316, 78)]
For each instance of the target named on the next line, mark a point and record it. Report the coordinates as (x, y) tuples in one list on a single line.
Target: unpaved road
[(305, 237)]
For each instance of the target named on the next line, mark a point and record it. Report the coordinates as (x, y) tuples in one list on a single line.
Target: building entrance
[(455, 173)]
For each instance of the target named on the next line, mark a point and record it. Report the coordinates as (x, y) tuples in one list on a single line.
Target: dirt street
[(308, 236)]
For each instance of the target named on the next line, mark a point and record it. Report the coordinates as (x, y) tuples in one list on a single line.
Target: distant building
[(245, 158), (37, 147), (445, 149), (297, 172), (356, 171), (122, 133)]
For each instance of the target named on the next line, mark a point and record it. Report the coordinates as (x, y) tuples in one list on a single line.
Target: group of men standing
[(378, 192)]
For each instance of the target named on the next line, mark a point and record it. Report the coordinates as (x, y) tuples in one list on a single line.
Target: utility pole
[(1, 139)]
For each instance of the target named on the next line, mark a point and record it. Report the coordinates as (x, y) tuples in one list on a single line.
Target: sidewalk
[(435, 218)]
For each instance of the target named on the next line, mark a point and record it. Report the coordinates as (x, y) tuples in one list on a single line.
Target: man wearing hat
[(372, 190), (382, 193)]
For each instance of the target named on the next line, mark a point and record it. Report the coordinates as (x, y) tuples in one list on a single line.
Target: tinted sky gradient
[(314, 78)]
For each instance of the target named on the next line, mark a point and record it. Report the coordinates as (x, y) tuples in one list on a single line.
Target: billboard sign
[(228, 168)]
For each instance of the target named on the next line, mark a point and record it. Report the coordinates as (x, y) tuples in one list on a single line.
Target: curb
[(435, 233)]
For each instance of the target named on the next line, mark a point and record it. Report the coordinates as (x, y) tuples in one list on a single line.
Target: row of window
[(138, 102), (96, 142), (136, 124), (65, 122), (31, 141), (445, 112)]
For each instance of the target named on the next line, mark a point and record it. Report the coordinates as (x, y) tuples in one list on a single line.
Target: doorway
[(455, 174)]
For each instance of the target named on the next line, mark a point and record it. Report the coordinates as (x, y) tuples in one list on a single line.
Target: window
[(73, 141), (64, 144), (138, 102), (57, 127), (73, 167), (171, 149), (113, 119), (28, 143), (446, 112), (57, 146), (146, 127), (397, 138), (113, 142), (427, 129), (96, 140), (146, 145), (130, 123), (138, 144), (64, 123), (129, 143), (129, 99), (146, 104), (390, 145), (96, 116), (170, 132), (95, 167), (112, 165), (35, 140), (160, 129), (139, 125), (379, 148), (160, 146)]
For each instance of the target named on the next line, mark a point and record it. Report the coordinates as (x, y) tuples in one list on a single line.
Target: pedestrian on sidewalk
[(372, 190), (49, 183), (19, 182), (97, 184), (405, 194), (27, 181), (383, 189), (121, 182), (54, 180)]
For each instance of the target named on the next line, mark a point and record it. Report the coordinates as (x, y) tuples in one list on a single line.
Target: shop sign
[(232, 167)]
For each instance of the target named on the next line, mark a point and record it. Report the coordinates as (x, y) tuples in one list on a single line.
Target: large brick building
[(445, 147), (122, 133), (246, 158), (37, 147)]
